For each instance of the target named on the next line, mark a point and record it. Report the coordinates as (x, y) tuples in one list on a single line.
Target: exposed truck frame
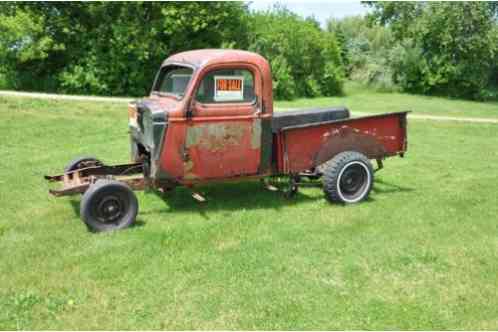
[(209, 117)]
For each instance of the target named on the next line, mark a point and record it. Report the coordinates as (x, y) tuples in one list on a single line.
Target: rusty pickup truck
[(209, 117)]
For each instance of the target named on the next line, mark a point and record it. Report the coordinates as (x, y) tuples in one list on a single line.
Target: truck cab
[(210, 116)]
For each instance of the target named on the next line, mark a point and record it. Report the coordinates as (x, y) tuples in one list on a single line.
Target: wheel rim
[(354, 181), (110, 209)]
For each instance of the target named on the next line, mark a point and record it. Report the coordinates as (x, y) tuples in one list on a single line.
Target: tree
[(115, 48), (108, 47), (365, 50), (305, 60), (444, 48)]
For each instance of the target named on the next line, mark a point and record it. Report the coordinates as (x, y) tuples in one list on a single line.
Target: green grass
[(360, 99), (422, 253)]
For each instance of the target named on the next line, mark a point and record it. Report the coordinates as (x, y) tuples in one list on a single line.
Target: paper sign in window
[(229, 88)]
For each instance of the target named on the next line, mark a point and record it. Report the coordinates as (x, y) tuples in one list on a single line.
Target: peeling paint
[(256, 134), (188, 167), (348, 138), (215, 136), (222, 149)]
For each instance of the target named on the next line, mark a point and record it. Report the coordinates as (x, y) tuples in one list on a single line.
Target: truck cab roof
[(205, 57)]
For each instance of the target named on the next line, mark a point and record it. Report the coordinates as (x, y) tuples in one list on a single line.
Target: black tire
[(347, 178), (82, 162), (292, 188), (108, 205)]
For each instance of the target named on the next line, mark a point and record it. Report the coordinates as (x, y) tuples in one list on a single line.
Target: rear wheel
[(108, 205), (82, 162), (348, 177)]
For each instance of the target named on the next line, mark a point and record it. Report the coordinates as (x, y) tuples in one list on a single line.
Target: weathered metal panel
[(229, 140), (308, 146), (172, 157), (218, 140), (266, 146), (222, 149)]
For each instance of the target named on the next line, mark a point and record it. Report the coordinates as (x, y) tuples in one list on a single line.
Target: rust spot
[(189, 166), (215, 136), (346, 138)]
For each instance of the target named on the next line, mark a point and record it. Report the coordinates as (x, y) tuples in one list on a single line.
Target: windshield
[(173, 80)]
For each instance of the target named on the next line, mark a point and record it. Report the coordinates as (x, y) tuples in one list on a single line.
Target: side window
[(226, 85)]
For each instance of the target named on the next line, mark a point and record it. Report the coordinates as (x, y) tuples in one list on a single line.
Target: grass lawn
[(422, 253)]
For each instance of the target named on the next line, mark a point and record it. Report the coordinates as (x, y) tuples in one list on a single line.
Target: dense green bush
[(408, 66), (443, 48), (422, 47), (115, 48), (284, 86), (107, 47), (305, 60), (366, 51)]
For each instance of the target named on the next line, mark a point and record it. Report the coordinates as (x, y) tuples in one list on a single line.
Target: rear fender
[(347, 138)]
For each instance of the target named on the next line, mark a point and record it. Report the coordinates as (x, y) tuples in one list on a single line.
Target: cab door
[(223, 136)]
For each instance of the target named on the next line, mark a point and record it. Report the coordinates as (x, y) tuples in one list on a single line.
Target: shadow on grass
[(251, 195), (234, 196), (228, 197), (75, 204), (138, 223), (384, 187)]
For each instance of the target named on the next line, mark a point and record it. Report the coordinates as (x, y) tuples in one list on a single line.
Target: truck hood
[(159, 108)]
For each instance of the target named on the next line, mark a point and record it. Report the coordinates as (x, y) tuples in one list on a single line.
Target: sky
[(322, 10)]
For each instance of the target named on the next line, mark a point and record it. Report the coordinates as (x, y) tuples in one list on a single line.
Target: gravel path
[(440, 118), (128, 99), (64, 97)]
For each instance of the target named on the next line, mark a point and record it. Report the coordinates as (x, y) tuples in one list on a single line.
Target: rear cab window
[(227, 86)]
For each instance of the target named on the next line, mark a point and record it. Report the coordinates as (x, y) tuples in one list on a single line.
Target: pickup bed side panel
[(303, 147)]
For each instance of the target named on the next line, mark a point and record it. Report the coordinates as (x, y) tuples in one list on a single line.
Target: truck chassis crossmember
[(78, 181)]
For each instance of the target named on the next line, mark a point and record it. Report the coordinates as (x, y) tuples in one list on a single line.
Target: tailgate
[(309, 145)]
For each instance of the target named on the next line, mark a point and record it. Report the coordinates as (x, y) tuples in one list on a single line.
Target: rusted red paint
[(222, 149), (211, 59), (220, 140), (216, 142), (376, 137), (226, 141)]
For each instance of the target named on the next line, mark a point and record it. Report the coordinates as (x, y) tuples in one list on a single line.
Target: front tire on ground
[(108, 205), (348, 178)]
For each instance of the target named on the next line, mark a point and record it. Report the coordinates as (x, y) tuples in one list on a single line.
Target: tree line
[(433, 48), (115, 48)]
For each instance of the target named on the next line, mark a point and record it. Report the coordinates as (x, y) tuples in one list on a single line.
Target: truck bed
[(306, 142)]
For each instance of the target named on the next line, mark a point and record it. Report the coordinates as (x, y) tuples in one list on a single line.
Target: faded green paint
[(215, 136), (193, 136), (256, 134)]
